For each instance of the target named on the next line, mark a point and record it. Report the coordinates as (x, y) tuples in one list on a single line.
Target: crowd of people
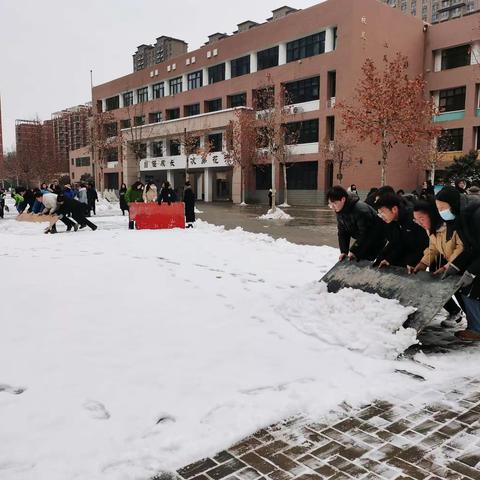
[(67, 203), (439, 233), (149, 193)]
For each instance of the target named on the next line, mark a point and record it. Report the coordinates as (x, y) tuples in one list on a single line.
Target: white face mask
[(447, 215)]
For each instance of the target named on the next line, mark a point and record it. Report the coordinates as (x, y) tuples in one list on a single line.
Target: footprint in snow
[(165, 418), (96, 410), (12, 390)]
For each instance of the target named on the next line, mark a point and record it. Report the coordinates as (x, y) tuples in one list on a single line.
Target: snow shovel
[(422, 291), (31, 217)]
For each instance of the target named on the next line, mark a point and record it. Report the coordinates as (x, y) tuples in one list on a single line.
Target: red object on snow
[(153, 216)]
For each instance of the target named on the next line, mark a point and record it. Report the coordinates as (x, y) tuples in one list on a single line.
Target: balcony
[(449, 116)]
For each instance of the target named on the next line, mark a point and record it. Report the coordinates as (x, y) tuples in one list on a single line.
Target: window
[(215, 141), (306, 47), (155, 117), (127, 99), (302, 175), (175, 85), (111, 129), (174, 147), (192, 110), (213, 105), (263, 177), (302, 91), (303, 132), (173, 113), (125, 123), (264, 98), (142, 150), (455, 57), (82, 162), (158, 90), (452, 99), (140, 120), (195, 80), (451, 140), (238, 100), (240, 66), (112, 155), (112, 103), (267, 58), (216, 73), (142, 95), (157, 149)]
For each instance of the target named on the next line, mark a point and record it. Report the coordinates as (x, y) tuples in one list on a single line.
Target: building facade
[(71, 131), (315, 54), (433, 11), (163, 49)]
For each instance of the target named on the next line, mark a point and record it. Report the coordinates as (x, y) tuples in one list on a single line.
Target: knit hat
[(451, 196)]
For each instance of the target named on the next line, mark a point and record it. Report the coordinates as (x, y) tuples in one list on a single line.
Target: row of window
[(296, 50), (300, 176)]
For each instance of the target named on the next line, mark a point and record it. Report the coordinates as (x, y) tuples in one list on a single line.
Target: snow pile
[(124, 353), (104, 205), (278, 214), (351, 318)]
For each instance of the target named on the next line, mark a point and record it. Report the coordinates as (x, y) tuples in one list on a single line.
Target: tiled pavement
[(379, 441)]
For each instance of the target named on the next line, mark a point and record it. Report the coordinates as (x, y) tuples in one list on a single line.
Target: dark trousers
[(91, 208), (82, 220), (451, 306)]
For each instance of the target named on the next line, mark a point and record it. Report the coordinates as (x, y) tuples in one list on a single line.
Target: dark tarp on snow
[(426, 293)]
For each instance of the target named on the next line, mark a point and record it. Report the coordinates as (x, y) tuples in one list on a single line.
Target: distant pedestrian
[(92, 197), (270, 197), (189, 200), (461, 185), (123, 202), (352, 190), (167, 195), (150, 194)]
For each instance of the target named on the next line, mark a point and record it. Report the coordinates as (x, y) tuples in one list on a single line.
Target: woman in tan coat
[(150, 193), (444, 247)]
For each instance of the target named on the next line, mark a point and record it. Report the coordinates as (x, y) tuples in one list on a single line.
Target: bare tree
[(339, 153), (241, 145)]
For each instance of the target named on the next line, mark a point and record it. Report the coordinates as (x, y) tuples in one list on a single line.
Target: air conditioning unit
[(297, 110)]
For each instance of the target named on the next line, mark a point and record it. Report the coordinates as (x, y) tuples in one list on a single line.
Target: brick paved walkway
[(434, 438)]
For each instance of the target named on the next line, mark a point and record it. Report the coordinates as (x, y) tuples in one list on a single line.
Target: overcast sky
[(47, 47)]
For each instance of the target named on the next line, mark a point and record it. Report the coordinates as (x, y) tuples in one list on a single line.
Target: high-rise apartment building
[(433, 11), (163, 49)]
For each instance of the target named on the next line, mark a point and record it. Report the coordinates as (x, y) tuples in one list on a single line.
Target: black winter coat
[(92, 196), (73, 207), (123, 202), (467, 225), (166, 195), (406, 240), (360, 221), (189, 200)]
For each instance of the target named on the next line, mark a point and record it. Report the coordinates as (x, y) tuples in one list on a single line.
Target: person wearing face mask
[(357, 220), (444, 247), (464, 211), (352, 190), (135, 193), (406, 239)]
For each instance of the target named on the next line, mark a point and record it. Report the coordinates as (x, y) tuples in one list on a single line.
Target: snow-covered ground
[(142, 351)]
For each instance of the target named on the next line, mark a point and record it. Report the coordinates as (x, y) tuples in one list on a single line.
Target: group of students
[(66, 203), (26, 200), (149, 193), (440, 233)]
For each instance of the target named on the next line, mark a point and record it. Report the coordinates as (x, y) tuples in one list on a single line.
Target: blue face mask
[(447, 215)]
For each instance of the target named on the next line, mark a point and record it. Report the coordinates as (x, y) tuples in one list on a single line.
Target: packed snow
[(277, 214), (125, 353)]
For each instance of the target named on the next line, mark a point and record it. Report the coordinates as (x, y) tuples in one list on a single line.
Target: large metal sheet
[(426, 293)]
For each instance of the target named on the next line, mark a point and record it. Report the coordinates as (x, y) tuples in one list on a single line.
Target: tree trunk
[(432, 173), (285, 185), (274, 192), (242, 186), (384, 162)]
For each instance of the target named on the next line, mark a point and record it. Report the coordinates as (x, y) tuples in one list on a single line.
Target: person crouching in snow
[(76, 209), (189, 200), (49, 202), (357, 220), (150, 193), (445, 245), (406, 239), (465, 212)]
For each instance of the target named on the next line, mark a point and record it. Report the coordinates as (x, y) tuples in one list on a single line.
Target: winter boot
[(453, 320)]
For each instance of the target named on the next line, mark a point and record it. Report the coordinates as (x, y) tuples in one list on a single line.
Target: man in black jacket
[(357, 220), (76, 209), (465, 211), (406, 240)]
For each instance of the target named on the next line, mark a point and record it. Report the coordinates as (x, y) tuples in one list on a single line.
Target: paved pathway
[(310, 225)]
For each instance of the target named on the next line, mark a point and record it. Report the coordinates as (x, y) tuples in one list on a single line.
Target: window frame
[(271, 59), (240, 66), (195, 80), (175, 85)]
